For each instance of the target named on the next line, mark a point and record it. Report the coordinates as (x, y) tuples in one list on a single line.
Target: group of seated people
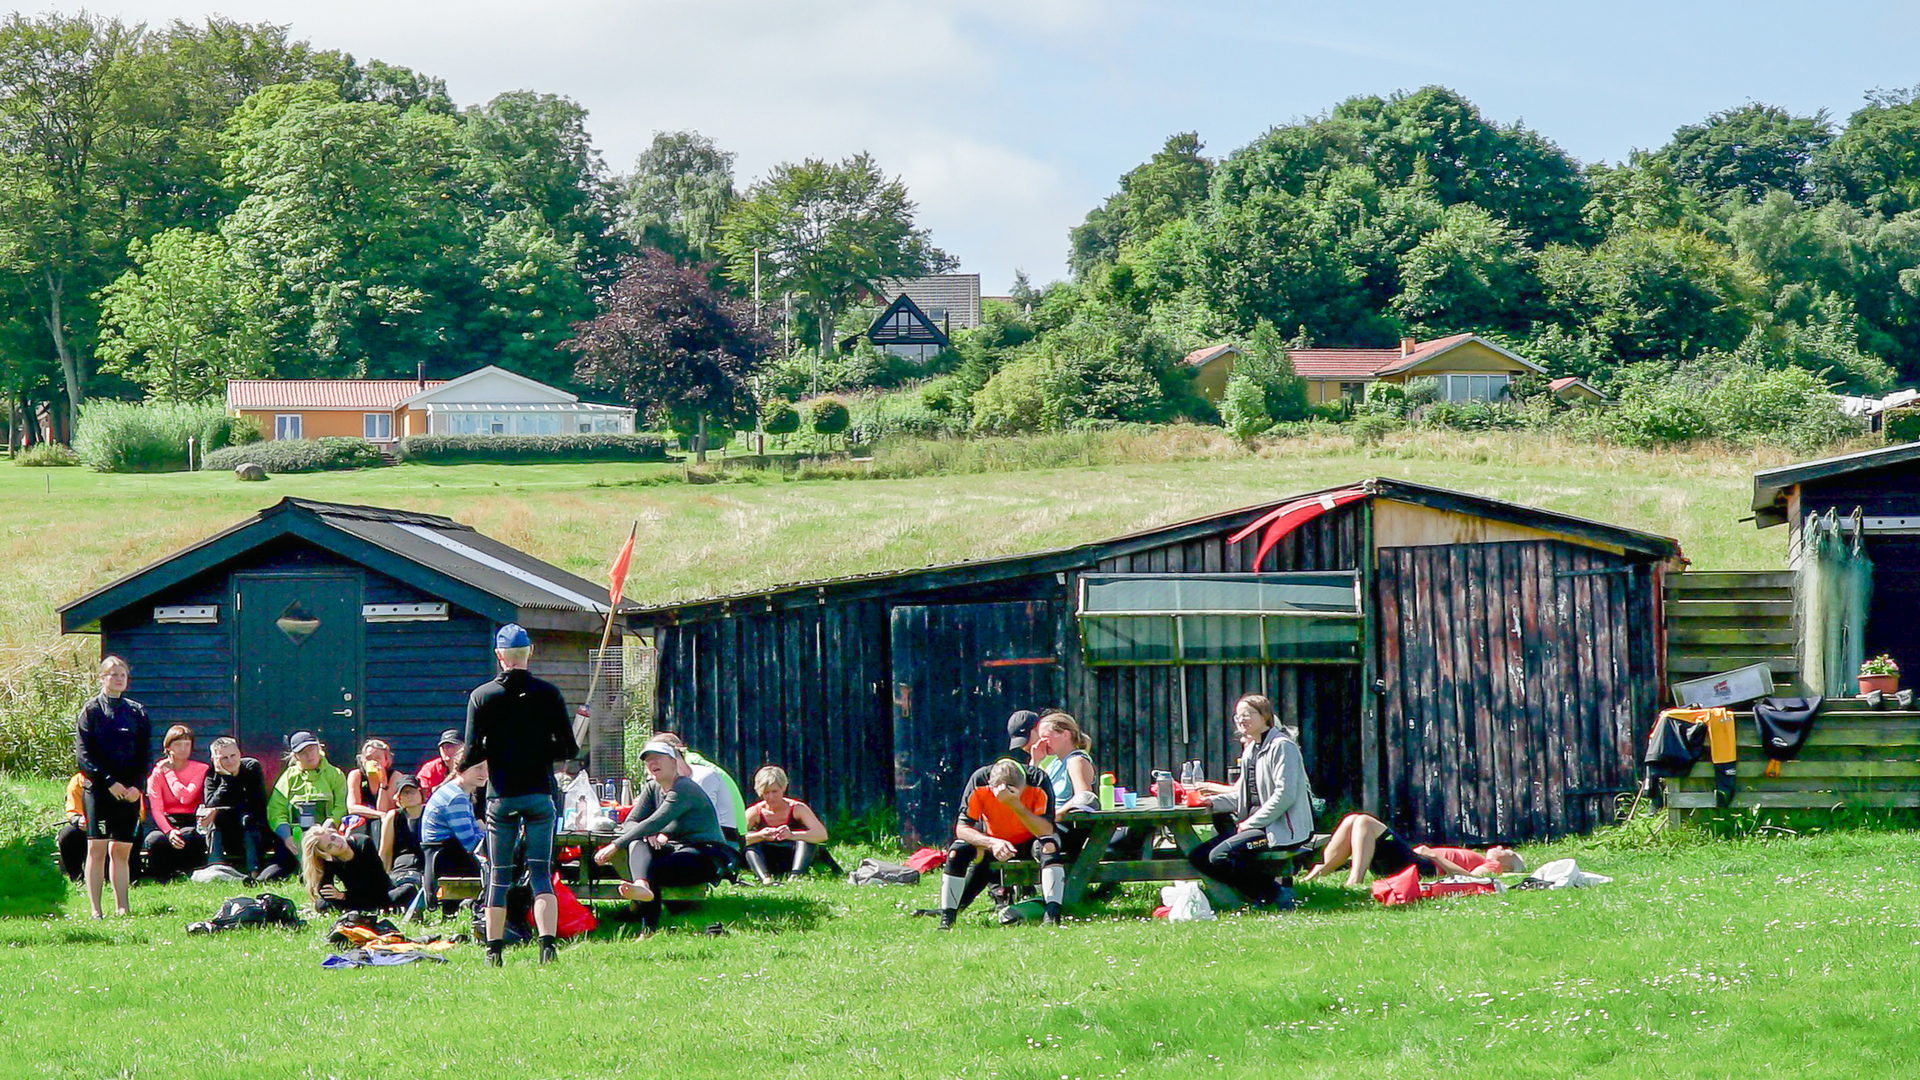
[(1022, 806)]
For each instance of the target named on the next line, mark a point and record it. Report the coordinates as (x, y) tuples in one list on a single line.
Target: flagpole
[(583, 717)]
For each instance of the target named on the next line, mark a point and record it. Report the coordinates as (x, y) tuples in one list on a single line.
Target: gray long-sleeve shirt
[(683, 813)]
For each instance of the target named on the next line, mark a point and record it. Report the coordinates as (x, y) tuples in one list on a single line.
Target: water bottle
[(1106, 791), (626, 792), (1163, 787)]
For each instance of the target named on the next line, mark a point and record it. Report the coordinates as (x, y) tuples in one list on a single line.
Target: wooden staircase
[(1718, 620)]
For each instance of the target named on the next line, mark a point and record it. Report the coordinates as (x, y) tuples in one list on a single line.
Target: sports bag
[(267, 909), (876, 872), (1784, 724)]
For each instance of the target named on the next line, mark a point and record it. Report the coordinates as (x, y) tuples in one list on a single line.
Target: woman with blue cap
[(518, 725)]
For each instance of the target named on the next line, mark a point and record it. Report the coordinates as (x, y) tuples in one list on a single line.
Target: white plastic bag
[(579, 805), (1566, 874), (1186, 902)]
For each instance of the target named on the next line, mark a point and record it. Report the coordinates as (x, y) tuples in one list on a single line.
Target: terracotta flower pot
[(1886, 684)]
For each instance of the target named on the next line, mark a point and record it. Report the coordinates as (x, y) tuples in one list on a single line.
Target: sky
[(1009, 119)]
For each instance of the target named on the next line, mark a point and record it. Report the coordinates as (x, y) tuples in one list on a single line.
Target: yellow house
[(1467, 368), (1575, 390), (490, 401)]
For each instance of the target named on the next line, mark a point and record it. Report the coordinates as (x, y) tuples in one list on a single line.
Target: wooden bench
[(605, 890), (1854, 757)]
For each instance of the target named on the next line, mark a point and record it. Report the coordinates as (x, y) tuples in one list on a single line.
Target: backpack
[(875, 872), (267, 909)]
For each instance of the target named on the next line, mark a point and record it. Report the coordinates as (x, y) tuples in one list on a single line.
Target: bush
[(37, 705), (779, 417), (1369, 429), (122, 437), (529, 449), (46, 455), (1903, 425), (1244, 407), (299, 455), (900, 414), (828, 416)]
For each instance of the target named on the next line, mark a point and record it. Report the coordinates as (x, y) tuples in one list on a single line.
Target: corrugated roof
[(323, 393)]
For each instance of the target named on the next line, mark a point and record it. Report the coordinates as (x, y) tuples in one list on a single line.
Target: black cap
[(1020, 728), (402, 781), (452, 735)]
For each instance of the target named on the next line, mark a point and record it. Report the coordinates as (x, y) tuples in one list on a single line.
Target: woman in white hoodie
[(1270, 808)]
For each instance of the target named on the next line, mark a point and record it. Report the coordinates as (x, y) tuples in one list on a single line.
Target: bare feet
[(636, 891), (1318, 869)]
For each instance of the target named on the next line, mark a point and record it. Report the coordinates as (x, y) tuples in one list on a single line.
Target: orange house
[(489, 401)]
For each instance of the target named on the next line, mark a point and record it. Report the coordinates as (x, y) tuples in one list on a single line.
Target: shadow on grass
[(754, 913)]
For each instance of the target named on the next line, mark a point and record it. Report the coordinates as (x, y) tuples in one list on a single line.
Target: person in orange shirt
[(1004, 819)]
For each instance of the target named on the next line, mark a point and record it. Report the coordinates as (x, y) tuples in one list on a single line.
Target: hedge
[(529, 449), (1902, 425), (299, 455), (122, 437)]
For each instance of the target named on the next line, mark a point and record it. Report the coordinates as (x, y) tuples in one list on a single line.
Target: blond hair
[(1063, 722), (111, 661), (224, 742), (768, 778), (1008, 772), (310, 859), (370, 746)]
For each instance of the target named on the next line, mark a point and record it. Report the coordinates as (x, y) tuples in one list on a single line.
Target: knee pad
[(1046, 851), (959, 857)]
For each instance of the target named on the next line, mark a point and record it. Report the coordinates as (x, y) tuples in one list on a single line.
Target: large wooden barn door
[(1518, 678), (959, 670), (298, 646)]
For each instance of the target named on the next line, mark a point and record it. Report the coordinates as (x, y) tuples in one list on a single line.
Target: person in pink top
[(175, 789)]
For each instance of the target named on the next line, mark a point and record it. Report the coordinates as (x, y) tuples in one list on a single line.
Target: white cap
[(656, 746)]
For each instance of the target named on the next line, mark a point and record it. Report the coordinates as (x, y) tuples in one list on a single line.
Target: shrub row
[(46, 455), (123, 437), (38, 703), (299, 455), (529, 449)]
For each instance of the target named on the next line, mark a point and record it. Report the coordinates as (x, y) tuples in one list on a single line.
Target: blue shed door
[(959, 670), (298, 653)]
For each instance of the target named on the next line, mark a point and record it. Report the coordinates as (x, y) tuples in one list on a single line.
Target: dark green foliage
[(121, 437), (31, 884), (46, 456), (1748, 151), (1164, 189), (299, 455), (779, 417), (1902, 425), (528, 449), (38, 703), (828, 416)]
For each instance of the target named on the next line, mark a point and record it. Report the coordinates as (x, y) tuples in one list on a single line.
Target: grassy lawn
[(1787, 956), (64, 531)]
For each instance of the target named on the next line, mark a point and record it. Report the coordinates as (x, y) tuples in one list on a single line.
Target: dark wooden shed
[(1470, 668), (1883, 486), (350, 621)]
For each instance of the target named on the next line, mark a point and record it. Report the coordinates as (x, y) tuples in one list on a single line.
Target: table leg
[(1219, 895), (1087, 863)]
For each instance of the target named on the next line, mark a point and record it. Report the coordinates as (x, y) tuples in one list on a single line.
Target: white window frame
[(1495, 384), (376, 426), (283, 423)]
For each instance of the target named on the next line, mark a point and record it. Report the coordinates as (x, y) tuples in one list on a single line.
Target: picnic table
[(1099, 826)]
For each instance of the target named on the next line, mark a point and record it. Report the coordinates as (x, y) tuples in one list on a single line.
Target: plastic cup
[(1133, 800)]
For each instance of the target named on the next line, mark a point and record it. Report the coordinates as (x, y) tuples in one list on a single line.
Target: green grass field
[(1745, 957)]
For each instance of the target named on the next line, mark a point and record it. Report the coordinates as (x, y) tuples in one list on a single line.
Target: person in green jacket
[(310, 790)]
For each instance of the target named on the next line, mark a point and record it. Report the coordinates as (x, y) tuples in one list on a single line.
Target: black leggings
[(770, 858), (674, 864), (399, 898), (976, 866), (164, 861), (1229, 859)]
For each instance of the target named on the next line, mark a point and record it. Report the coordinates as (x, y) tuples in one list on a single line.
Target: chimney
[(1408, 345), (420, 375)]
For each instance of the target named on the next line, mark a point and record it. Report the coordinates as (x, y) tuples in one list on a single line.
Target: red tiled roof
[(1202, 355), (323, 393), (1341, 363), (1562, 384)]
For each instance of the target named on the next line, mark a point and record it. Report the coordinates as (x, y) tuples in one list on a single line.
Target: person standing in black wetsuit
[(111, 740), (518, 726)]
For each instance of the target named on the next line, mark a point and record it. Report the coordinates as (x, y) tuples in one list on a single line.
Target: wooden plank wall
[(182, 673), (419, 674), (1853, 757), (1718, 620), (804, 689), (1134, 713), (1520, 684)]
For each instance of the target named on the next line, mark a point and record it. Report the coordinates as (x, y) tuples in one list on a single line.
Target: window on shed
[(1311, 617)]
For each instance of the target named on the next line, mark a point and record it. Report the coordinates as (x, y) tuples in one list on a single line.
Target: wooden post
[(1370, 778)]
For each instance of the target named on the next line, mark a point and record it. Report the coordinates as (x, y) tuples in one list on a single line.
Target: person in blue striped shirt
[(448, 826)]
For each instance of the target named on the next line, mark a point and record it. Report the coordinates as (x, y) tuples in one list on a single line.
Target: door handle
[(343, 712)]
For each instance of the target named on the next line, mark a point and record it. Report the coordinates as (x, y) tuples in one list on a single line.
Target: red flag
[(618, 576), (1290, 516)]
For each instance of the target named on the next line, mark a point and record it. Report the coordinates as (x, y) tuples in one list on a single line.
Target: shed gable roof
[(1081, 556), (432, 553), (1770, 485)]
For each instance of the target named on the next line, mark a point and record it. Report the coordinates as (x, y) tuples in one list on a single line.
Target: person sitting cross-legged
[(449, 831), (672, 835), (1005, 819), (1363, 842), (783, 834)]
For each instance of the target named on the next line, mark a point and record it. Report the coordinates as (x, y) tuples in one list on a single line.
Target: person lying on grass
[(1004, 820), (782, 834), (672, 836), (345, 873), (1362, 842)]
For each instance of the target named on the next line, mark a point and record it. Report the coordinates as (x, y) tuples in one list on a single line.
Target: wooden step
[(1797, 800), (1683, 608), (1685, 666), (1757, 636), (1703, 580)]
